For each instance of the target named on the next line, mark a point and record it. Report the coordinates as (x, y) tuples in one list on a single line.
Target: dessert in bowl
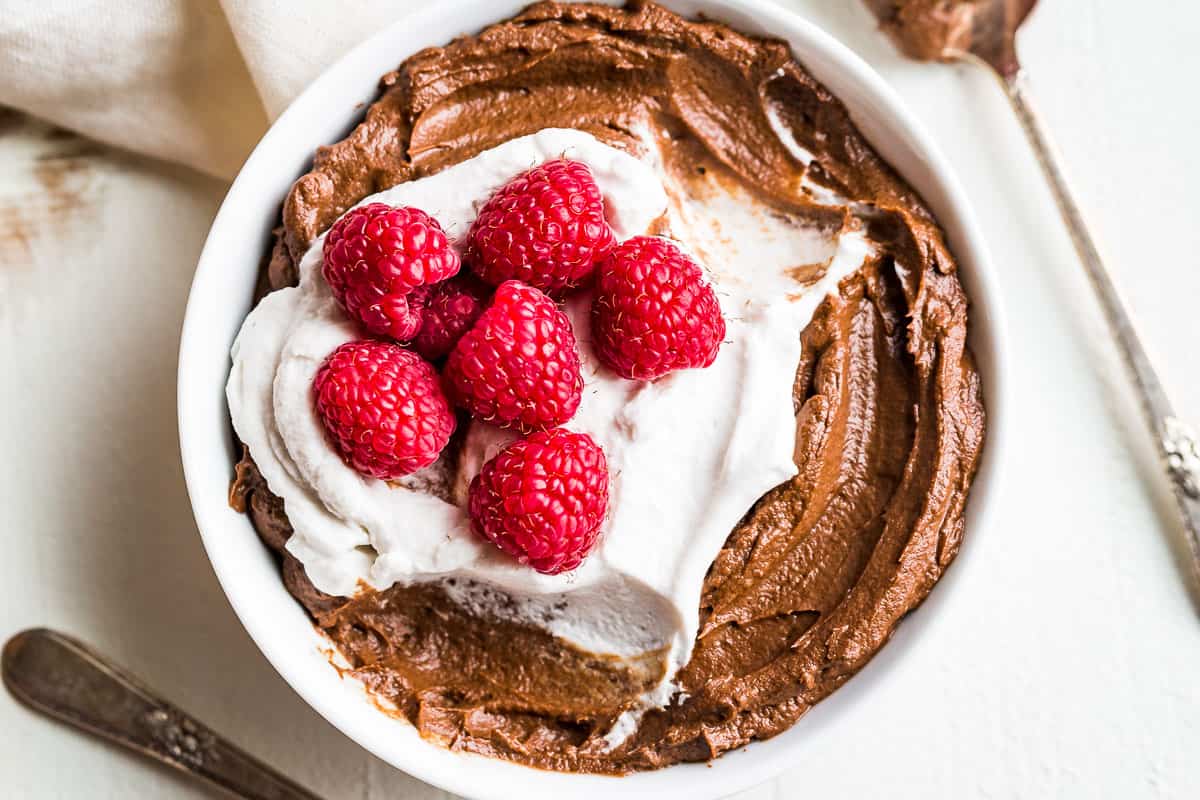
[(764, 510)]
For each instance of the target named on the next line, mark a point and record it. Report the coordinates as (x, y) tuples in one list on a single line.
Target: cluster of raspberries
[(494, 342)]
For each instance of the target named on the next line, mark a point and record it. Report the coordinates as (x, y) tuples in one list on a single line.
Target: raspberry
[(518, 366), (542, 499), (449, 310), (653, 311), (400, 313), (376, 255), (383, 408), (545, 227)]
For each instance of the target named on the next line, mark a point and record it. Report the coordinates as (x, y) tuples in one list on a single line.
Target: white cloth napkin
[(192, 81)]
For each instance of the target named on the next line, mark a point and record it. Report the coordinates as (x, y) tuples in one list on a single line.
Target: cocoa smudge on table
[(58, 195)]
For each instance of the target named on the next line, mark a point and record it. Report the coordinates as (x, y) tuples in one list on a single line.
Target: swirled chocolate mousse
[(746, 448)]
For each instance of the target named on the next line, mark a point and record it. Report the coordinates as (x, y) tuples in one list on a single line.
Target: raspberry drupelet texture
[(518, 366), (654, 311), (376, 255), (545, 227), (383, 408), (449, 309), (542, 499)]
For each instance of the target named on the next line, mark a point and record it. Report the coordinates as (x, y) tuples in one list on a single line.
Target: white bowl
[(220, 299)]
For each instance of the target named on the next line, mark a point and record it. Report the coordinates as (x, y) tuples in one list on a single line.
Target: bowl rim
[(205, 439)]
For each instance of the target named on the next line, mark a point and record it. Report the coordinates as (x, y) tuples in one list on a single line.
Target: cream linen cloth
[(192, 81)]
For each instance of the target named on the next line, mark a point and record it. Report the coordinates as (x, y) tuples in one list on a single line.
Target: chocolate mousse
[(890, 420), (943, 30)]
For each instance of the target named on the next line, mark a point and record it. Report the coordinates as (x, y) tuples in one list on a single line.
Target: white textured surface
[(1066, 669)]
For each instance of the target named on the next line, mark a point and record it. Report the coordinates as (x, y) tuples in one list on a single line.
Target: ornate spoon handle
[(1177, 442), (63, 678)]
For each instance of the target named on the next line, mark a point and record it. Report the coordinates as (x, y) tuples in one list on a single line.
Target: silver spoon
[(983, 32), (61, 677)]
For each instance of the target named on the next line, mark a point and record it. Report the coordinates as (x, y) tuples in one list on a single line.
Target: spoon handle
[(63, 678), (1178, 443)]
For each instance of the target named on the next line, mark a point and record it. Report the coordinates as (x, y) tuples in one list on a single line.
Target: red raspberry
[(545, 227), (376, 255), (383, 408), (518, 367), (542, 499), (653, 311), (449, 310)]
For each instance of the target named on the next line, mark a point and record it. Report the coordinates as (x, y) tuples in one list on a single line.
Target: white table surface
[(1068, 665)]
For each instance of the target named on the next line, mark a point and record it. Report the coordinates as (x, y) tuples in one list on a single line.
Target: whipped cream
[(688, 454)]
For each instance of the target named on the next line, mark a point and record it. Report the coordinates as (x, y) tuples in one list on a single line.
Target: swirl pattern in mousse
[(765, 177)]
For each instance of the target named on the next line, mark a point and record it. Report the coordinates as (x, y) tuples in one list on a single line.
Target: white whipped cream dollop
[(688, 454)]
